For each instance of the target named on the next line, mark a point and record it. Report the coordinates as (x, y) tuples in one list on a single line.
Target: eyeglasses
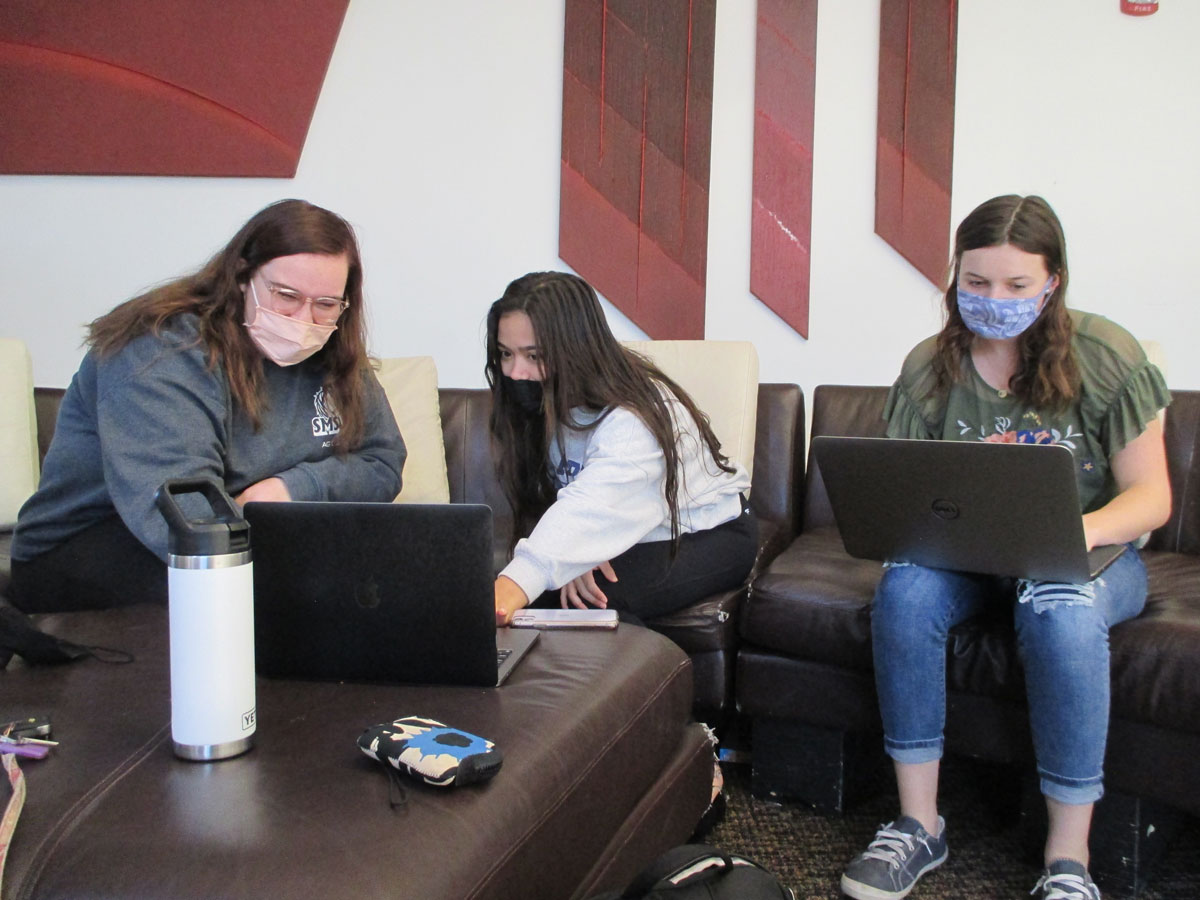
[(289, 301)]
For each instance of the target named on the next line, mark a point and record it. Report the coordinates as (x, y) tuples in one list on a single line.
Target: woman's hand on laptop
[(267, 489), (509, 598)]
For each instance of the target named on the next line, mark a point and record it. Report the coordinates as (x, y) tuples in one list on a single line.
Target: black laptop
[(386, 592), (997, 509)]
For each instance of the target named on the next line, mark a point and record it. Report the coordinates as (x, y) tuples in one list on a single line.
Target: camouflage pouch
[(433, 752)]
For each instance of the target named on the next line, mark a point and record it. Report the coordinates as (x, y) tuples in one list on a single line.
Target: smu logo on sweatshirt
[(326, 422)]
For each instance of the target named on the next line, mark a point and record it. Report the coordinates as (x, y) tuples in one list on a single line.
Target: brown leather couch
[(707, 630), (805, 672)]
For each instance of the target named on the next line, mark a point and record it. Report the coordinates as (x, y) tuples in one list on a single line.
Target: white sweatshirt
[(610, 497)]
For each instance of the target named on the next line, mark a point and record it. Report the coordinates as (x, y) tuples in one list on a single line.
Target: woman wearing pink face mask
[(1012, 363), (253, 371)]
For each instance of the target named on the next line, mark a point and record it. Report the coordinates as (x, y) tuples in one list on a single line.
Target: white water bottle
[(210, 588)]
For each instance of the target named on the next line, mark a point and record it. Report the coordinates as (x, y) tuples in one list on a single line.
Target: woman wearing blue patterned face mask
[(1013, 364), (999, 318)]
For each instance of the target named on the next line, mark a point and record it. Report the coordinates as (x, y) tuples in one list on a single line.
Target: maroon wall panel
[(161, 87), (637, 114), (915, 146), (781, 217)]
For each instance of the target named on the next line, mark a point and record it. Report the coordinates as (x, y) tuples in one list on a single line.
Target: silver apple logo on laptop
[(366, 594)]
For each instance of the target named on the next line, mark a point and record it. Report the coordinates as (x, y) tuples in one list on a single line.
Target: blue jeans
[(1062, 638)]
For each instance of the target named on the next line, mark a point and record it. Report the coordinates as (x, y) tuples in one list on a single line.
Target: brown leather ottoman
[(603, 770)]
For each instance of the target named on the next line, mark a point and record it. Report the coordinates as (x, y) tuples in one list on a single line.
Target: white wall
[(438, 133), (1098, 112)]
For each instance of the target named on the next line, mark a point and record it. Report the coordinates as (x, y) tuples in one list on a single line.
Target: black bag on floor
[(700, 872)]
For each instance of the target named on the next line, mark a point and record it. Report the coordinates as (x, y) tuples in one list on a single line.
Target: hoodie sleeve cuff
[(528, 575)]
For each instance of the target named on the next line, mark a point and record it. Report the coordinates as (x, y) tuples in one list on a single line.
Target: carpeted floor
[(988, 857)]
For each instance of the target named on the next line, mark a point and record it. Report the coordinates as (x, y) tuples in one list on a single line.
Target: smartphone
[(565, 618)]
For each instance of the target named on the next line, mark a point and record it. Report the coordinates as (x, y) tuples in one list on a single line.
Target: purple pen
[(33, 751)]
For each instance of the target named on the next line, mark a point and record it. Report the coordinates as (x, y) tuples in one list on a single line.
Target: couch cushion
[(412, 390), (18, 430), (1156, 656), (814, 604), (710, 624), (722, 377)]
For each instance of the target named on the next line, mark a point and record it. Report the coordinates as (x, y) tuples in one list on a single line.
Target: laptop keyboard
[(502, 653)]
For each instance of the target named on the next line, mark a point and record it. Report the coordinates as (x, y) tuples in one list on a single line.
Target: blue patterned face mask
[(999, 318)]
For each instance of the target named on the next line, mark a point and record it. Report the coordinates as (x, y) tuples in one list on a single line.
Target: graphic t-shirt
[(1120, 394)]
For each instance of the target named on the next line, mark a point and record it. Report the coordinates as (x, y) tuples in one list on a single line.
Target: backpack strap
[(673, 863)]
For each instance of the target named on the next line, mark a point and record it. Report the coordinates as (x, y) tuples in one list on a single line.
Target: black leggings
[(102, 566), (651, 584)]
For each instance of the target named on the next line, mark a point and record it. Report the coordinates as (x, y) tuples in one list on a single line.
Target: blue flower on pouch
[(447, 741)]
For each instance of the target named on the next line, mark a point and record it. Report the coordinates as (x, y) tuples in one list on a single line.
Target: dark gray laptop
[(387, 592), (998, 509)]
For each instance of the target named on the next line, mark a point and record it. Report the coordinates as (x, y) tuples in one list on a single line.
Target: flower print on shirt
[(1029, 430)]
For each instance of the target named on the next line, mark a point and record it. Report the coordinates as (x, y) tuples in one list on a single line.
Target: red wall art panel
[(161, 87), (781, 218), (915, 145), (637, 122)]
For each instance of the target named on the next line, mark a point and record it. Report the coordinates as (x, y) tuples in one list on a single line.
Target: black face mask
[(527, 394)]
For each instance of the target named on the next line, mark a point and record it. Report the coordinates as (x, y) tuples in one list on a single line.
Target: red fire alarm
[(1134, 8)]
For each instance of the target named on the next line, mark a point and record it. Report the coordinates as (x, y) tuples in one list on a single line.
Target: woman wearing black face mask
[(608, 464), (1013, 364)]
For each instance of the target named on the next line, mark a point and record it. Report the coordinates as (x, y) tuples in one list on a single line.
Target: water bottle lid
[(222, 531)]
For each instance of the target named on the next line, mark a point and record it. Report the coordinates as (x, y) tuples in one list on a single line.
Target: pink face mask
[(282, 339)]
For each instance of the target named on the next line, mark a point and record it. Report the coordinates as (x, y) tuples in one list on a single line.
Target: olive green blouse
[(1121, 393)]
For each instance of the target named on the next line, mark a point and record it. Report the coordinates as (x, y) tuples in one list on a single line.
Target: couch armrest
[(778, 465), (469, 467), (839, 410), (1181, 533)]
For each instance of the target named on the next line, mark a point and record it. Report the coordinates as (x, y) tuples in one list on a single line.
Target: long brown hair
[(1047, 376), (214, 295), (584, 367)]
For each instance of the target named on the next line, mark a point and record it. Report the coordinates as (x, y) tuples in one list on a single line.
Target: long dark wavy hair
[(214, 295), (584, 367), (1047, 376)]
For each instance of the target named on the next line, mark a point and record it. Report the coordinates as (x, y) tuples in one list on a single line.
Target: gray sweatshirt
[(154, 411)]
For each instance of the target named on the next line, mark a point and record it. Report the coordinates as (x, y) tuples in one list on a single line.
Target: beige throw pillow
[(18, 430), (412, 390), (722, 377)]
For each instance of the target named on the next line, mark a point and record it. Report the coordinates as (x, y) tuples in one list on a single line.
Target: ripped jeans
[(1062, 638)]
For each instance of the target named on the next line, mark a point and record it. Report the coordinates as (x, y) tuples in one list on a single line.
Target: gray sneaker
[(901, 853), (1065, 879)]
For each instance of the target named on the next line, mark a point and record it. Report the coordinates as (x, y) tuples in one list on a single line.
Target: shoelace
[(893, 847), (1063, 887)]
